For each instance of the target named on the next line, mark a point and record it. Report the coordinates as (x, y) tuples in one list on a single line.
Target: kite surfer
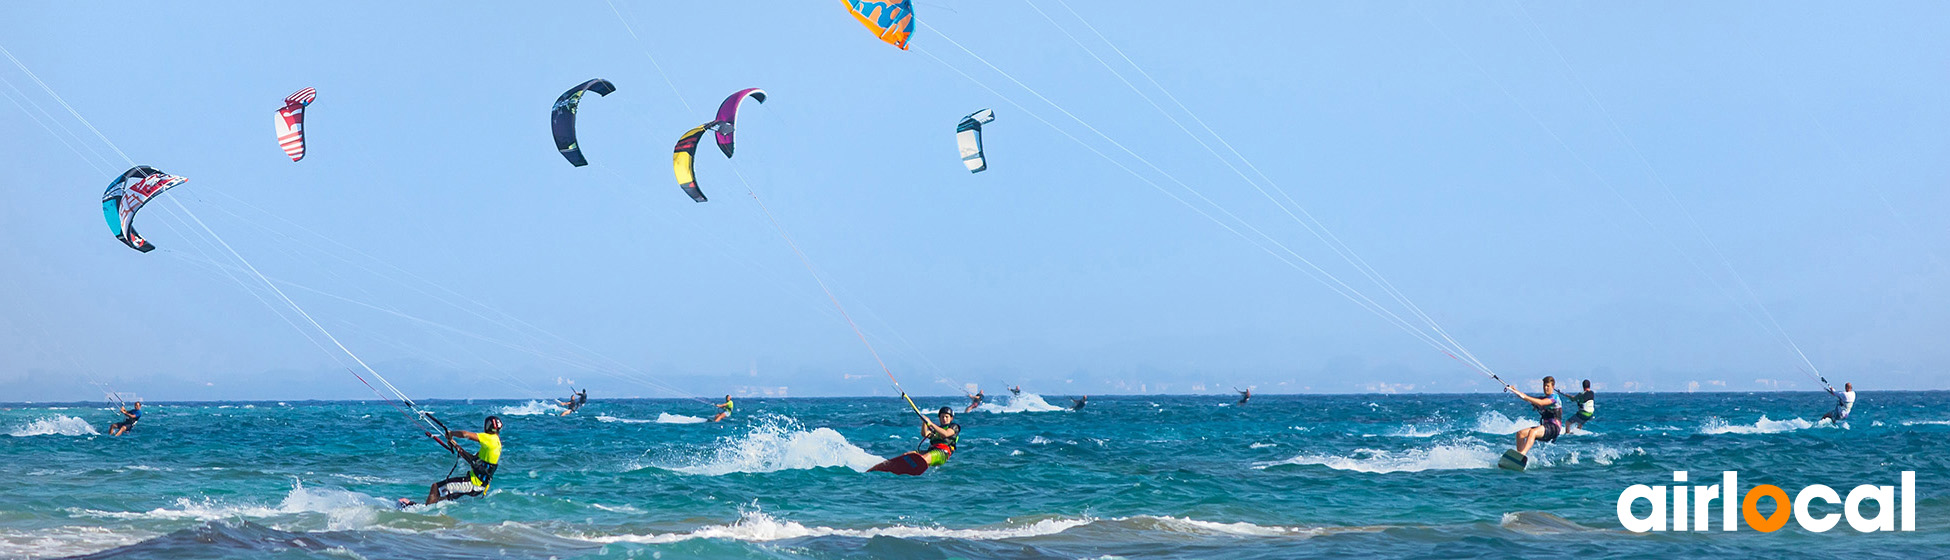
[(1077, 403), (131, 416), (1844, 403), (1587, 407), (1245, 395), (974, 400), (725, 412), (576, 400), (1550, 415), (942, 436), (1015, 391), (480, 465)]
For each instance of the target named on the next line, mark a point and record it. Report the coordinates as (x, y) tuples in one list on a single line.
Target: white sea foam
[(1439, 457), (54, 426), (1026, 402), (1603, 455), (1716, 425), (668, 418), (1200, 527), (1414, 431), (65, 541), (1257, 445), (1926, 422), (626, 508), (1493, 422), (777, 444), (343, 510), (531, 408), (759, 527)]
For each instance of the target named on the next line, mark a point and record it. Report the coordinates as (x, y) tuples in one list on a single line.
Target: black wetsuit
[(133, 416)]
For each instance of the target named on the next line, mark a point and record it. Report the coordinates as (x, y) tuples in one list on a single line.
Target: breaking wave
[(1026, 402), (1437, 457), (54, 426), (1717, 425), (776, 444)]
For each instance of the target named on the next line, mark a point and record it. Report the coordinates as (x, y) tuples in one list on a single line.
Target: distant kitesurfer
[(135, 414), (1587, 407), (942, 436), (725, 412), (1077, 403), (1550, 415), (975, 400), (480, 465), (1245, 395), (1844, 403), (576, 400), (1015, 391)]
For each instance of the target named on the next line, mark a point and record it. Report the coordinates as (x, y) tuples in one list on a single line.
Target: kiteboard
[(1512, 460), (911, 463)]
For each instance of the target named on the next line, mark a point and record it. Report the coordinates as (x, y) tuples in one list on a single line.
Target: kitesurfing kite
[(892, 22), (684, 159), (684, 155), (728, 115), (563, 118), (968, 135), (290, 123), (126, 194)]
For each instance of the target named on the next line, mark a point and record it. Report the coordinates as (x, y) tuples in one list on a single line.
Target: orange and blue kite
[(890, 21)]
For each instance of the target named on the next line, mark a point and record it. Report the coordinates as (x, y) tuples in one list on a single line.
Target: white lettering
[(1703, 495), (1885, 497), (1730, 501), (1909, 500), (1678, 501), (1656, 495), (1808, 521)]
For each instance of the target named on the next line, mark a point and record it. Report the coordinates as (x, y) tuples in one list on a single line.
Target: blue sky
[(1650, 195)]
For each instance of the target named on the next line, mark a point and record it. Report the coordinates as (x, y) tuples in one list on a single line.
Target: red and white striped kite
[(291, 123)]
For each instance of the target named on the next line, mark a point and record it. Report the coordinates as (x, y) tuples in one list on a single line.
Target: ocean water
[(1342, 476)]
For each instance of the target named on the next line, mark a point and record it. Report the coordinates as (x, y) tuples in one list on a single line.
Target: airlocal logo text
[(1888, 508)]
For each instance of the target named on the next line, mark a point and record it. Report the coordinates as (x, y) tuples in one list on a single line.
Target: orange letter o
[(1751, 513)]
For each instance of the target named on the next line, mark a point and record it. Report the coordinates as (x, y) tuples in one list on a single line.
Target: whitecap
[(1257, 445), (1439, 457), (776, 444), (1026, 402), (65, 541), (1201, 527), (759, 527), (344, 510), (1493, 422), (668, 418), (54, 426), (1414, 431), (531, 408), (1716, 425)]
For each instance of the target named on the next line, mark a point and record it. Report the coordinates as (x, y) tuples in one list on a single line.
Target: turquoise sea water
[(1137, 476)]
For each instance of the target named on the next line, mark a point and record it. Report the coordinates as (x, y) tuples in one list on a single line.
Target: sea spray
[(1026, 402), (1471, 455), (668, 418), (1493, 422), (756, 526), (54, 426), (530, 408), (776, 443), (1717, 425)]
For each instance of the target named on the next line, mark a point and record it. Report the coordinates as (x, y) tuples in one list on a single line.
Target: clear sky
[(1637, 193)]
